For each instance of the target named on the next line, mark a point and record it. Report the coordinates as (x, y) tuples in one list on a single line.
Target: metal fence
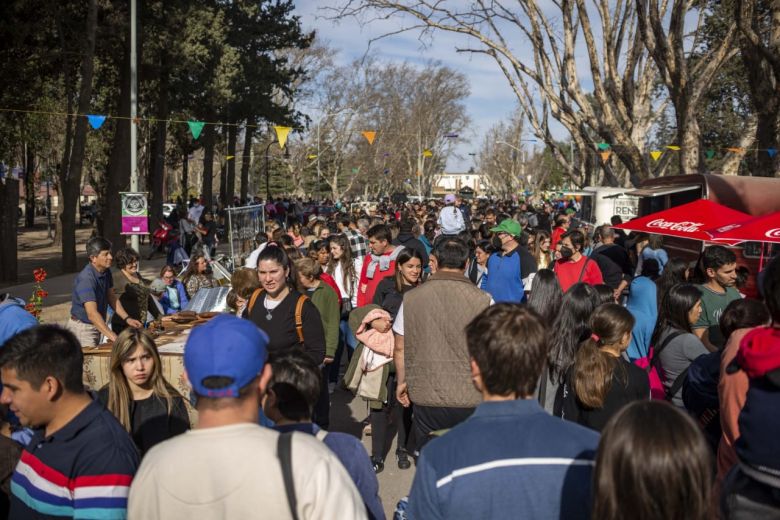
[(243, 225)]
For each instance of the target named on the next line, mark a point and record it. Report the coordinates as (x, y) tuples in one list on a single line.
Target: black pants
[(322, 408), (428, 419), (380, 422)]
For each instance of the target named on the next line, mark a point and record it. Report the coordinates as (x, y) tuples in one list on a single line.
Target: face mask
[(496, 242), (566, 252)]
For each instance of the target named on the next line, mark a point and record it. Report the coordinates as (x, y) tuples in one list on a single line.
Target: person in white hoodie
[(450, 217)]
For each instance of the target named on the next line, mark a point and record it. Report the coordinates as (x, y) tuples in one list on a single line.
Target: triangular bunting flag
[(603, 146), (311, 156), (229, 157), (605, 156), (370, 136), (709, 154), (196, 127), (427, 153), (387, 170), (281, 134), (419, 173), (656, 154), (355, 170), (673, 147), (771, 151), (736, 150), (95, 121)]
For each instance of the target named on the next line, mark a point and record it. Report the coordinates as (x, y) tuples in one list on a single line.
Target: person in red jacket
[(573, 266), (561, 227), (379, 263)]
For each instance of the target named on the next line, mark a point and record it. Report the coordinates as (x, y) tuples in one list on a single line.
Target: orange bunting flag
[(281, 134), (605, 156), (369, 135), (736, 150), (673, 147), (656, 154), (427, 153)]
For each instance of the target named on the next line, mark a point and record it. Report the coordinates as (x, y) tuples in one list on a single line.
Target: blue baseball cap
[(228, 347)]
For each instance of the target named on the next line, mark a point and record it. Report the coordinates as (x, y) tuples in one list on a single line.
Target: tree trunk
[(245, 163), (157, 170), (29, 186), (208, 165), (689, 139), (118, 171), (71, 185), (231, 165), (185, 178), (9, 201)]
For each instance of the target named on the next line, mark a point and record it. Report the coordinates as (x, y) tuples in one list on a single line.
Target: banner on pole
[(135, 213)]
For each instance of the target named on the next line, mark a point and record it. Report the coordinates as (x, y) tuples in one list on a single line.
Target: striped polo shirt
[(82, 470)]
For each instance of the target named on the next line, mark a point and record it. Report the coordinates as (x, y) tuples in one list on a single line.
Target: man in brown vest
[(431, 357)]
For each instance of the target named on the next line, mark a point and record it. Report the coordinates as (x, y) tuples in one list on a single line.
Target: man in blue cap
[(229, 466)]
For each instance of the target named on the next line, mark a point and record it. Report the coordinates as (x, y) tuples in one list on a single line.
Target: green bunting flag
[(196, 127), (603, 146), (709, 154)]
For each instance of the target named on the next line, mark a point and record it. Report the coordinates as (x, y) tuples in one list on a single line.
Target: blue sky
[(491, 97)]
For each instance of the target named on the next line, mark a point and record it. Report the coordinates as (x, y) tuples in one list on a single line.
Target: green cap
[(509, 226)]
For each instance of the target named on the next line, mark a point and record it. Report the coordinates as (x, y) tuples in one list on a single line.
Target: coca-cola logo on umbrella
[(685, 227), (773, 233)]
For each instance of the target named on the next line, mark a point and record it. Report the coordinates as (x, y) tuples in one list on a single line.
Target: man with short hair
[(407, 239), (229, 466), (620, 235), (720, 268), (293, 392), (93, 293), (510, 270), (80, 460), (573, 266), (510, 458), (430, 349), (613, 261), (379, 264)]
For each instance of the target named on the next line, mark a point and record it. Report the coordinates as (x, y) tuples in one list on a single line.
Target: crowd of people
[(521, 361)]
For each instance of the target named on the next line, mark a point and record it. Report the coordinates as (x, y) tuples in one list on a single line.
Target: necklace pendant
[(268, 316)]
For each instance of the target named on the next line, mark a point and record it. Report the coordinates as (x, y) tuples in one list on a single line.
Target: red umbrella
[(690, 220), (758, 229)]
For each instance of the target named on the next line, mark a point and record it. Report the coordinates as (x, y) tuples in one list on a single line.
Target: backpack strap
[(654, 362), (582, 272), (678, 382), (284, 453), (252, 300), (321, 434), (299, 317)]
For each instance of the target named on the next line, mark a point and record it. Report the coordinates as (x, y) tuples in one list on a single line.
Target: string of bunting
[(605, 150)]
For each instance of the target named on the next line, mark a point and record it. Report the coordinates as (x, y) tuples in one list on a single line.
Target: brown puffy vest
[(436, 360)]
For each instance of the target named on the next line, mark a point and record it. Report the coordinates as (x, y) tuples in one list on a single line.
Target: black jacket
[(408, 240)]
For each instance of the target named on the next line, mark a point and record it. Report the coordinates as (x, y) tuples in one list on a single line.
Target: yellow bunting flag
[(656, 154), (673, 147), (605, 156), (229, 157), (311, 156), (736, 150), (370, 136), (281, 134), (427, 153)]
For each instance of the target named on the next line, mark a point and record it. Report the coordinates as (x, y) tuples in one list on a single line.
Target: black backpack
[(700, 395)]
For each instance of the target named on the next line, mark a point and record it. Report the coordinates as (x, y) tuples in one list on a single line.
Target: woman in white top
[(345, 270), (450, 218)]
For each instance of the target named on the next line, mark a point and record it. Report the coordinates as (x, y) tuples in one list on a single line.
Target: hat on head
[(228, 347), (449, 198), (312, 217), (158, 285), (508, 226)]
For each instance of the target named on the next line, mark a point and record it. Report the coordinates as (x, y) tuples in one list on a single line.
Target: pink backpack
[(650, 364)]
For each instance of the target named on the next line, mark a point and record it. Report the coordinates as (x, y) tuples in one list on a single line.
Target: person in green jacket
[(326, 301)]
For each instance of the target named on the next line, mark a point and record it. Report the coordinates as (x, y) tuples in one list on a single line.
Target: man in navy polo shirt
[(510, 458), (93, 292), (80, 461)]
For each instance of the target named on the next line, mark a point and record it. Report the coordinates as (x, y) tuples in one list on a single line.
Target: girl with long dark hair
[(674, 343), (675, 271), (569, 329), (546, 295), (601, 380), (197, 275)]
